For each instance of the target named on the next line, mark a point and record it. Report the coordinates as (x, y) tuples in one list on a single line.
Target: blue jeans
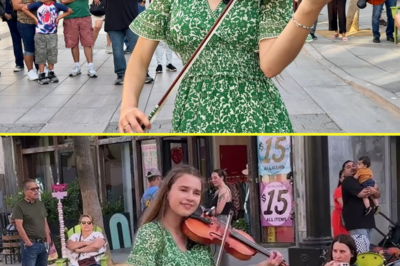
[(27, 32), (117, 40), (376, 14), (17, 42), (35, 255)]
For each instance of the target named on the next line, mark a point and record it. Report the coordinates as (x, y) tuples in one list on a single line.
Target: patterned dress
[(225, 90), (155, 246)]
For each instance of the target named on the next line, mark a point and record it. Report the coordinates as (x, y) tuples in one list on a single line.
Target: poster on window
[(276, 203), (273, 155), (149, 157)]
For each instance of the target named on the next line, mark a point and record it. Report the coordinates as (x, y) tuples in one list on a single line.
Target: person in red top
[(337, 223)]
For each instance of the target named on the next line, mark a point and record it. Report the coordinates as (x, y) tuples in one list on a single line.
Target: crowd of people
[(34, 24)]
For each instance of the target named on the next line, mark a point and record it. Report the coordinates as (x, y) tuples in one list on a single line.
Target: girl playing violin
[(229, 87), (160, 240)]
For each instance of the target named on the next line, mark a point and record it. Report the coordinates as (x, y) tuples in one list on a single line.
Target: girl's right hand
[(131, 120)]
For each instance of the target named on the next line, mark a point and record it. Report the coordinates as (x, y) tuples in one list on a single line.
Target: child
[(364, 175), (46, 40)]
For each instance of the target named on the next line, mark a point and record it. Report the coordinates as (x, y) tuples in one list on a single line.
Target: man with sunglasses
[(31, 221)]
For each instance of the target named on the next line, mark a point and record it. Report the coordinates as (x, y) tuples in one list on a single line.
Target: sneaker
[(32, 75), (390, 39), (92, 72), (313, 36), (171, 68), (119, 80), (108, 50), (18, 68), (127, 50), (148, 79), (43, 79), (75, 71), (46, 69), (376, 40), (52, 77), (159, 69), (368, 210), (376, 210)]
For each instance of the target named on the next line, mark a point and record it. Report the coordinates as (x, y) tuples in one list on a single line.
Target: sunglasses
[(84, 222), (34, 189)]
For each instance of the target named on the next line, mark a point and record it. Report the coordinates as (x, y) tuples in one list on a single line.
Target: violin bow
[(190, 62), (221, 250)]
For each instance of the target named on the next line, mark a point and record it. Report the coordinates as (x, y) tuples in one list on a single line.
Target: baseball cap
[(153, 172)]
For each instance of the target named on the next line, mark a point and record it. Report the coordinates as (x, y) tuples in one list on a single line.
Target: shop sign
[(149, 157), (273, 155), (276, 203)]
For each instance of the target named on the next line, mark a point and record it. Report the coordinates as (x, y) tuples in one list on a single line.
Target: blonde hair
[(158, 207), (87, 216)]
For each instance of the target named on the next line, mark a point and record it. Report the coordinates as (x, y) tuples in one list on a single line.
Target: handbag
[(87, 261), (98, 10)]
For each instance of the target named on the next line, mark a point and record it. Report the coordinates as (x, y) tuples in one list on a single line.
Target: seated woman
[(87, 244), (397, 22), (342, 250)]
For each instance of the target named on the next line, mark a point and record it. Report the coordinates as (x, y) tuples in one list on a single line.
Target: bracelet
[(301, 26)]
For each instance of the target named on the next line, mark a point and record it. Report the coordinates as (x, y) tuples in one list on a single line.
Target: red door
[(233, 158)]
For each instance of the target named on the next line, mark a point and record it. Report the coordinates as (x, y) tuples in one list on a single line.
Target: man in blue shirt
[(155, 178)]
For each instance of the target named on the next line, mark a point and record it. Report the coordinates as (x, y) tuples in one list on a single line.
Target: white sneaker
[(108, 50), (18, 69), (75, 71), (32, 75), (46, 69), (92, 72)]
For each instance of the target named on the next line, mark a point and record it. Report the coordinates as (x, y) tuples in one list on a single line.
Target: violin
[(207, 230)]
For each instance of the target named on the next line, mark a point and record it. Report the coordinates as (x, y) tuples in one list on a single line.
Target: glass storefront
[(276, 189), (41, 166)]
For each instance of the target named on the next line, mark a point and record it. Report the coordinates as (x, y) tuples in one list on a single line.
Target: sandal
[(344, 39), (333, 37)]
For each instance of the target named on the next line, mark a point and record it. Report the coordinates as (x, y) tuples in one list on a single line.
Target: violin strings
[(247, 241)]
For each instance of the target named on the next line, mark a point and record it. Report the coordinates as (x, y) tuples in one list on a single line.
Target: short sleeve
[(338, 193), (147, 247), (17, 213), (74, 238), (274, 16), (35, 6), (61, 7), (153, 23)]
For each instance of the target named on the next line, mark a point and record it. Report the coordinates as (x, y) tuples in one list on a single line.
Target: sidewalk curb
[(387, 100)]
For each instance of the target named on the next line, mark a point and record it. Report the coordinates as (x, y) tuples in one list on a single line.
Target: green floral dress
[(225, 90), (155, 246)]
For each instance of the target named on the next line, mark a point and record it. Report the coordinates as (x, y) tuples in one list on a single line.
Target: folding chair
[(76, 230), (395, 9)]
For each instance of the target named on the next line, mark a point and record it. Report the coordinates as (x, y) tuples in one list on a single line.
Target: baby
[(364, 175)]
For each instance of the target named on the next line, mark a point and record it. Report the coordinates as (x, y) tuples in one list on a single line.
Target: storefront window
[(276, 189), (67, 162), (34, 142), (149, 158), (41, 166)]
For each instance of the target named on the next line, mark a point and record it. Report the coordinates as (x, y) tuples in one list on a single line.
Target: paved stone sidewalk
[(326, 89)]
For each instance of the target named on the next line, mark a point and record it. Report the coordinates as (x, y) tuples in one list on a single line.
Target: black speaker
[(307, 256)]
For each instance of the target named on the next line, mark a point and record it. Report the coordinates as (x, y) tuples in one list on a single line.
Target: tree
[(87, 183), (352, 18)]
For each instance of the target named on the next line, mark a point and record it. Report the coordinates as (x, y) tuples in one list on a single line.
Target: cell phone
[(343, 264)]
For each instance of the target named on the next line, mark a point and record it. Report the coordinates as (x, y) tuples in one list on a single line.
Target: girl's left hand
[(275, 259)]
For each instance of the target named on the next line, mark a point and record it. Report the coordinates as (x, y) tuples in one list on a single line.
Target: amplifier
[(307, 256)]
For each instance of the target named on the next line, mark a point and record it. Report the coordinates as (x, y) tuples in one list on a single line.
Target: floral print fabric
[(225, 90), (155, 246)]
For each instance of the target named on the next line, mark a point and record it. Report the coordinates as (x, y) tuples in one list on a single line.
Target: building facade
[(273, 194)]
